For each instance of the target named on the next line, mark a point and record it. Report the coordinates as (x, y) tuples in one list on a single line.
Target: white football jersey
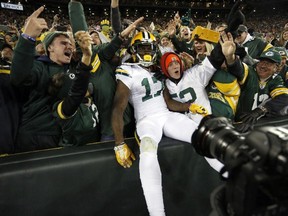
[(191, 87), (153, 119), (146, 91)]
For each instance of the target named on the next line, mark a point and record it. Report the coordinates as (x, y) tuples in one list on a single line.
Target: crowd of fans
[(72, 79), (269, 31)]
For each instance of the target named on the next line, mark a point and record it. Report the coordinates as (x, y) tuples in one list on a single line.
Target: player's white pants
[(150, 131)]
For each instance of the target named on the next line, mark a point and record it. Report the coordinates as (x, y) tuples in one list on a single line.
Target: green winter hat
[(49, 37), (272, 55)]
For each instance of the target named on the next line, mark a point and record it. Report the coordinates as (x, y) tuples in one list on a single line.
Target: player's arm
[(177, 106), (124, 155), (119, 106), (174, 105)]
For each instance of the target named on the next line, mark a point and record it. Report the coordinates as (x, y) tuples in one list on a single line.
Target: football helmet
[(144, 46)]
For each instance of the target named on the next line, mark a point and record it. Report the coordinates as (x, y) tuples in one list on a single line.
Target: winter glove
[(234, 19), (124, 155), (247, 120)]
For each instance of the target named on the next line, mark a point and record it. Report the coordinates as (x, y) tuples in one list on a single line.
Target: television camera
[(257, 166)]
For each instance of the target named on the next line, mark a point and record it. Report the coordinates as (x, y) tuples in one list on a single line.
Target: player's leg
[(150, 134), (181, 127)]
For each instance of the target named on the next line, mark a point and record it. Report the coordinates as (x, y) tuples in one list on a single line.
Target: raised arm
[(111, 48), (79, 87), (24, 52), (115, 16)]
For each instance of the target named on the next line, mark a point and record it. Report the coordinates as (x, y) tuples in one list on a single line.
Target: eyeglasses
[(239, 33)]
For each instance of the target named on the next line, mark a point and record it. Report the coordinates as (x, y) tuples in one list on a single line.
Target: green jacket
[(223, 92), (103, 74), (255, 46), (272, 93), (33, 76)]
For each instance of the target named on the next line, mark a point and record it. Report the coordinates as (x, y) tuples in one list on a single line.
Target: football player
[(139, 84)]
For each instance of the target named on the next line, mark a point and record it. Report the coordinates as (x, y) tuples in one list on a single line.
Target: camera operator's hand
[(253, 116), (247, 120), (242, 127)]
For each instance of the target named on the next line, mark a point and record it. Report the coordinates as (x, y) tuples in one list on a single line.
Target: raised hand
[(228, 47), (34, 25), (84, 41), (171, 28), (114, 3), (125, 33), (227, 44), (187, 59), (177, 17)]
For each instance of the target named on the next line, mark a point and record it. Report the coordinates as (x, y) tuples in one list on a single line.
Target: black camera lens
[(214, 138)]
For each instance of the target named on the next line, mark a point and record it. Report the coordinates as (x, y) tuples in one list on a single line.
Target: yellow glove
[(124, 155), (197, 109)]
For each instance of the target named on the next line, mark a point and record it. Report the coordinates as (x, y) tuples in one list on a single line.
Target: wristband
[(27, 37), (119, 147)]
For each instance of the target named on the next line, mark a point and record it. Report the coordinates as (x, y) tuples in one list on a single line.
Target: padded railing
[(87, 181)]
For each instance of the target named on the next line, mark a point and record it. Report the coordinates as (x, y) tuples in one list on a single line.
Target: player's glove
[(247, 120), (124, 155), (197, 109)]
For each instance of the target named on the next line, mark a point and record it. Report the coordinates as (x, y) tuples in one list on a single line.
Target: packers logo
[(269, 53), (72, 76)]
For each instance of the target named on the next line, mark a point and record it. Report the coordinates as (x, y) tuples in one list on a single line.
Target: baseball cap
[(271, 55), (49, 37), (242, 28), (166, 59), (282, 51)]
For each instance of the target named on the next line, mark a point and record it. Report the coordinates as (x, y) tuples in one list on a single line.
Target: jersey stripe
[(233, 101), (95, 64), (229, 89), (3, 71), (246, 69), (59, 111), (122, 72), (278, 91)]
